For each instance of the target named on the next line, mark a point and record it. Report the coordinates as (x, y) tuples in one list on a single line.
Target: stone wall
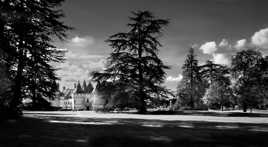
[(82, 101)]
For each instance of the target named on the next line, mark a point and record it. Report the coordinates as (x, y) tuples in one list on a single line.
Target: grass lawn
[(67, 129)]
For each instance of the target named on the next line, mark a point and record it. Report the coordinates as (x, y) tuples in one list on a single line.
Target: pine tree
[(134, 60), (192, 87), (28, 29)]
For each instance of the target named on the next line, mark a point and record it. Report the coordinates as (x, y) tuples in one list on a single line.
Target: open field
[(85, 128)]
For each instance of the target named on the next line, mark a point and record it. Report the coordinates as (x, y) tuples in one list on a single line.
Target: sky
[(217, 29)]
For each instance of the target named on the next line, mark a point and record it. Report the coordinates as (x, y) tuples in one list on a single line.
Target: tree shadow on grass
[(207, 113), (187, 112), (68, 131)]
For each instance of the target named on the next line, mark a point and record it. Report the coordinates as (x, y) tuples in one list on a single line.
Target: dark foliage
[(28, 29), (248, 70), (134, 60), (115, 96), (192, 87), (219, 93)]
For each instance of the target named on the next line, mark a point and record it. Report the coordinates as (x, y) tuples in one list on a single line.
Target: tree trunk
[(16, 100), (34, 99), (251, 109), (192, 103), (244, 108), (142, 108)]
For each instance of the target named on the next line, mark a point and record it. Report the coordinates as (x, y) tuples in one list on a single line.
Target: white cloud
[(209, 47), (78, 66), (241, 44), (86, 45), (221, 53), (81, 41), (195, 46), (224, 43), (260, 38), (174, 79), (84, 54), (220, 59), (72, 55), (225, 46)]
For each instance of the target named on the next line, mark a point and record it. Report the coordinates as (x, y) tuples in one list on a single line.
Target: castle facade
[(76, 98)]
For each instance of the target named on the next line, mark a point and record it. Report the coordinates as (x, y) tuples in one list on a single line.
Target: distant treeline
[(243, 84)]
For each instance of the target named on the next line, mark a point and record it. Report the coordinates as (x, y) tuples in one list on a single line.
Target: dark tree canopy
[(28, 29), (211, 71), (219, 93), (192, 87), (248, 67), (114, 96), (134, 59)]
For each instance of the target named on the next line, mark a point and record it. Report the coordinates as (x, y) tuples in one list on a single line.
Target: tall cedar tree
[(134, 60), (192, 87), (248, 67), (28, 29)]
